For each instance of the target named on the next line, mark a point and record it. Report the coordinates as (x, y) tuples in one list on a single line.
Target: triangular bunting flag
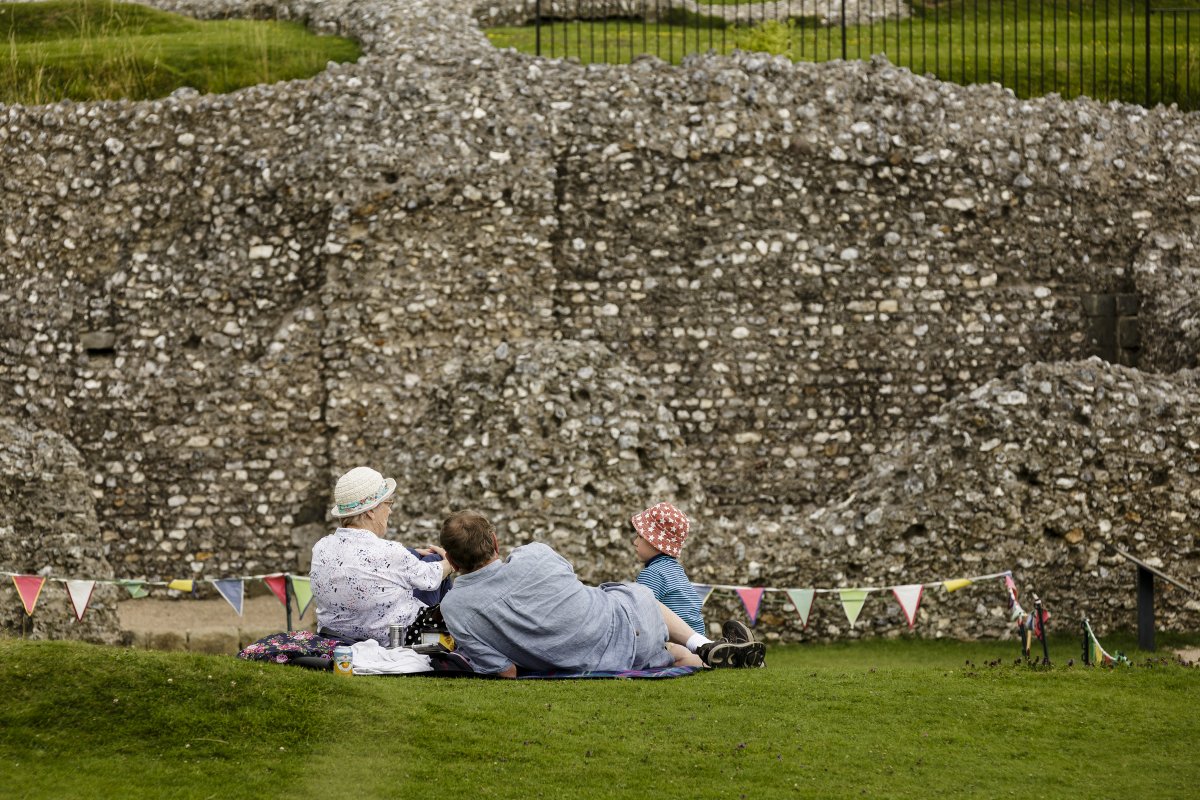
[(233, 590), (302, 590), (956, 584), (80, 593), (29, 587), (802, 599), (182, 585), (852, 602), (909, 598), (751, 598), (278, 585), (135, 588), (703, 590)]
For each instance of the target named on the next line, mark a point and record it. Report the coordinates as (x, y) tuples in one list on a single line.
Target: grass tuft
[(104, 50)]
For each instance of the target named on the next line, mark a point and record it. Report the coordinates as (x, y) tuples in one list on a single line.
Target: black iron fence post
[(1147, 103), (537, 27), (843, 30)]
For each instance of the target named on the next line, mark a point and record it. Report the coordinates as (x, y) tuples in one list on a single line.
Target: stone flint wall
[(561, 293)]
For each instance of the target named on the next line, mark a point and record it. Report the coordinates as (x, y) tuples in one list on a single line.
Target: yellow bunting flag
[(956, 584), (852, 602), (181, 585)]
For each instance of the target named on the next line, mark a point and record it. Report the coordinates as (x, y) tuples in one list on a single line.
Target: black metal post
[(1147, 103), (1087, 643), (287, 599), (1145, 609), (843, 30), (537, 36)]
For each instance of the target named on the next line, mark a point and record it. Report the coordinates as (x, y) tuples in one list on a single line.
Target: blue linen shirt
[(532, 611), (664, 576)]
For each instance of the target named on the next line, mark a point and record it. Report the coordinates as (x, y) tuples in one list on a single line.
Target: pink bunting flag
[(802, 599), (909, 598), (703, 590), (29, 587), (751, 598), (278, 585), (80, 593)]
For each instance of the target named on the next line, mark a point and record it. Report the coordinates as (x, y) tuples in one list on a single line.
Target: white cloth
[(362, 584), (369, 658)]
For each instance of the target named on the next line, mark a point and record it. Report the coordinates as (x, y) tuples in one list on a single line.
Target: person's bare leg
[(683, 657), (678, 631)]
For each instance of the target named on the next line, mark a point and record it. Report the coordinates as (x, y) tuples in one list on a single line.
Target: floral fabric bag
[(289, 646)]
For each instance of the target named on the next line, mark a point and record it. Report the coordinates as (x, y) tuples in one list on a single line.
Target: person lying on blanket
[(529, 611), (362, 582)]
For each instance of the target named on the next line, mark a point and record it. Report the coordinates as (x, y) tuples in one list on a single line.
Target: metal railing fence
[(1129, 50)]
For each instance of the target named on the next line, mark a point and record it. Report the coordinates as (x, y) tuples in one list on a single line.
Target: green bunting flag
[(802, 599), (135, 588), (852, 602), (302, 589)]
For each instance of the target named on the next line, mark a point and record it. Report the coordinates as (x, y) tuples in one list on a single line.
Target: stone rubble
[(560, 293)]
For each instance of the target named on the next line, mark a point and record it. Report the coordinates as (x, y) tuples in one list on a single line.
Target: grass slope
[(99, 49), (1097, 49), (875, 718)]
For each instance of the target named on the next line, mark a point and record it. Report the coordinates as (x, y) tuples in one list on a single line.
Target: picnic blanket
[(304, 648)]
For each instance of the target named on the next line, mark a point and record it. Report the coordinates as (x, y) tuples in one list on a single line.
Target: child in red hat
[(661, 531)]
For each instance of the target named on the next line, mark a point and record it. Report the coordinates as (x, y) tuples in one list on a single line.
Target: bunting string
[(80, 591)]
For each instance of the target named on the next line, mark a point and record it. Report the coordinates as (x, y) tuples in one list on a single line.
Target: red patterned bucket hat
[(664, 526)]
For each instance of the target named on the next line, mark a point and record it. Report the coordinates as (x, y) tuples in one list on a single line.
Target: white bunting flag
[(909, 598), (802, 599), (81, 594)]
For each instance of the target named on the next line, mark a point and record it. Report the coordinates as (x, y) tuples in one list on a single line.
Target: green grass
[(98, 50), (1023, 45), (871, 718)]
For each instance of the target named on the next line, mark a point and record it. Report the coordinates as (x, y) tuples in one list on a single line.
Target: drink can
[(342, 660), (395, 636)]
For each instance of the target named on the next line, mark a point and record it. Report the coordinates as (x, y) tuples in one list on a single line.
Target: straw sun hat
[(360, 490)]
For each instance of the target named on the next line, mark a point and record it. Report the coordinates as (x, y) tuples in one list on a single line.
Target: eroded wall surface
[(560, 294)]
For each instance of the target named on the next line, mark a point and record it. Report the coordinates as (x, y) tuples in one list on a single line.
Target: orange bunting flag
[(909, 598), (278, 585), (751, 598), (29, 587), (80, 593), (802, 599)]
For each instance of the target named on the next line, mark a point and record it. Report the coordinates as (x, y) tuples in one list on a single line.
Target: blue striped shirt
[(664, 576)]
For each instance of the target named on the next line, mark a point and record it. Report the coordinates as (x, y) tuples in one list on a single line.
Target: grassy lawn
[(900, 718), (98, 50), (1096, 49)]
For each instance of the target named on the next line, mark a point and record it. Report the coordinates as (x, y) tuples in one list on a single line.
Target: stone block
[(170, 640), (1128, 304), (1128, 333), (1099, 305), (217, 642)]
